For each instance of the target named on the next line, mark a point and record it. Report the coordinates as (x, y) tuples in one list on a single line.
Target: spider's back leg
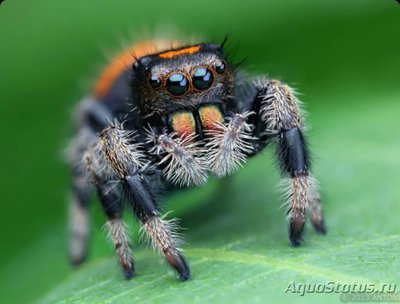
[(89, 116)]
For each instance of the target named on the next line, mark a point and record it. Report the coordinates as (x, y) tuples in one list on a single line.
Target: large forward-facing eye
[(202, 78), (177, 84)]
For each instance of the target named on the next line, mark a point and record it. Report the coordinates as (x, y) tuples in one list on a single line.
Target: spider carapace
[(165, 114)]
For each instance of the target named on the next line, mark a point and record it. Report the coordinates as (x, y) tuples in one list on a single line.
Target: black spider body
[(162, 116)]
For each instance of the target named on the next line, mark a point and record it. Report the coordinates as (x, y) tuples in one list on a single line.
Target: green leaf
[(238, 247)]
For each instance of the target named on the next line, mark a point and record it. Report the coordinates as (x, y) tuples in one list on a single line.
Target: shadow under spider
[(232, 212)]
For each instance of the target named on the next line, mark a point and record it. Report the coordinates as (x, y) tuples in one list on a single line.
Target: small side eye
[(202, 78), (177, 84), (220, 68), (155, 82)]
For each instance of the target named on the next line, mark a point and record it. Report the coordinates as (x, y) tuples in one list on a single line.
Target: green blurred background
[(344, 58)]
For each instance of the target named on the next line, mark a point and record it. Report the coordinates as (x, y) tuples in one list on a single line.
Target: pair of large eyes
[(177, 84)]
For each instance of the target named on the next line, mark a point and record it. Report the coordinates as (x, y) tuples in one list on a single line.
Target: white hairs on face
[(185, 165), (229, 145)]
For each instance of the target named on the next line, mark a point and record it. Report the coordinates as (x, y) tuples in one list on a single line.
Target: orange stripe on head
[(172, 54), (125, 60)]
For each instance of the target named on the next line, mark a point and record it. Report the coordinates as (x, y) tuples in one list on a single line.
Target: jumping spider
[(165, 114)]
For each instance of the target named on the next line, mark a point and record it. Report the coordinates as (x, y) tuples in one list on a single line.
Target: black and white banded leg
[(118, 155), (79, 222), (90, 116), (315, 210), (109, 192), (79, 219), (281, 113)]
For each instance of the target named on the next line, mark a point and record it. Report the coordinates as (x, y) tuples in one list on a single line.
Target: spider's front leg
[(278, 108), (117, 157)]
